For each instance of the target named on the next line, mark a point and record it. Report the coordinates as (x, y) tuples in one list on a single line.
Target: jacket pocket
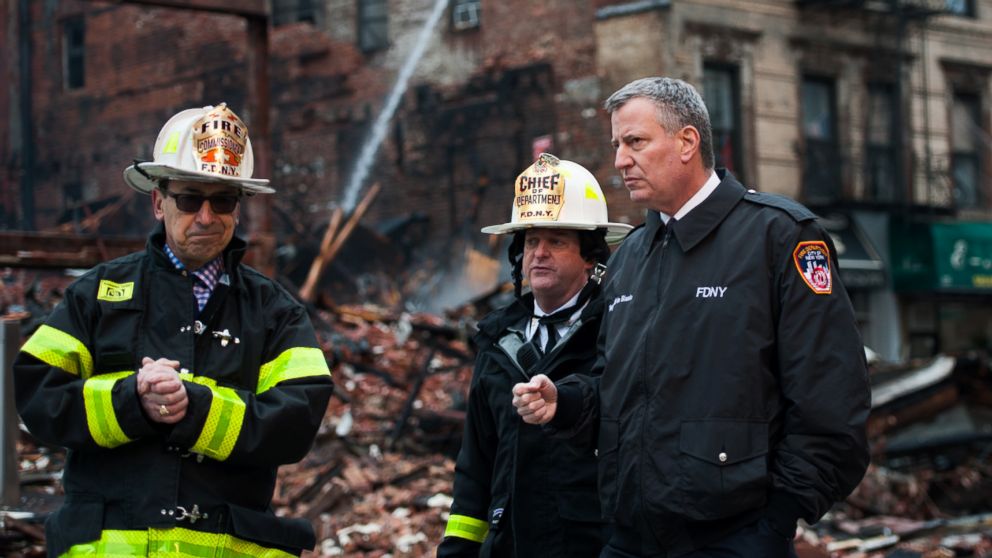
[(268, 530), (78, 521), (723, 467), (609, 464), (115, 338)]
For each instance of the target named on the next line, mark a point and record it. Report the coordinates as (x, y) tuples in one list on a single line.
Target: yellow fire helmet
[(208, 144), (559, 194)]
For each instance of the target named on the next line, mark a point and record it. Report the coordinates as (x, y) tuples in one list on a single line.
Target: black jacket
[(733, 387), (535, 495), (257, 384)]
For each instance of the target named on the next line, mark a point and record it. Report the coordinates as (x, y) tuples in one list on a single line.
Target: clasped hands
[(162, 393)]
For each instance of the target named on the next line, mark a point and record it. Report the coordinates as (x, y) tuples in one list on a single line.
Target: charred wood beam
[(32, 531), (61, 250), (425, 371), (244, 8), (57, 250)]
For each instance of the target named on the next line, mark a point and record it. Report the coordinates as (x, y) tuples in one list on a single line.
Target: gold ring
[(163, 410)]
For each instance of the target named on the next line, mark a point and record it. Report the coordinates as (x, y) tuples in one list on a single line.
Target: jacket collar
[(233, 253), (497, 322), (493, 325), (705, 217)]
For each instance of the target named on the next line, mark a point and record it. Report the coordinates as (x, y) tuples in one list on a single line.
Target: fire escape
[(892, 21)]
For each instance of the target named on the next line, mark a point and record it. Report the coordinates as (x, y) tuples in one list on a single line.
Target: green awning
[(954, 257), (858, 262)]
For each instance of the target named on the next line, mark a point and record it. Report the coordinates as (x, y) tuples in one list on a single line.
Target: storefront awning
[(944, 257), (859, 262)]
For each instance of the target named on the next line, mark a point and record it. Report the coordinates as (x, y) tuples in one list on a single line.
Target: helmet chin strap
[(141, 171), (598, 271)]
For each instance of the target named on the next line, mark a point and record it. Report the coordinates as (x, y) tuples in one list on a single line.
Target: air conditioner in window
[(465, 15)]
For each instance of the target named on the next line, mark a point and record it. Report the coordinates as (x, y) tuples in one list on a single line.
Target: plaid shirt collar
[(206, 277)]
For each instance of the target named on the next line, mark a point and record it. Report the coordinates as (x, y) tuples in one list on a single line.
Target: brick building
[(876, 113)]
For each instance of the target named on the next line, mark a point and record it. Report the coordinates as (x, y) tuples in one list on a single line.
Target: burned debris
[(378, 479)]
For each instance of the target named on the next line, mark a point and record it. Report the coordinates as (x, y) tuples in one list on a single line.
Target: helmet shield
[(208, 144), (558, 194)]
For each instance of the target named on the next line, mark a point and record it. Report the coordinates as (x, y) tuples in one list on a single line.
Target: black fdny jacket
[(257, 384), (518, 492), (734, 382)]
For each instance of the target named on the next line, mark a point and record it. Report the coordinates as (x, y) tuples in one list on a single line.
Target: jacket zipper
[(644, 385)]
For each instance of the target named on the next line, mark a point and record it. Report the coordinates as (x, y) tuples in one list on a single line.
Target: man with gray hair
[(734, 392)]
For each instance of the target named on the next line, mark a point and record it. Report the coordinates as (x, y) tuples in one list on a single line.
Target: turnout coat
[(257, 382)]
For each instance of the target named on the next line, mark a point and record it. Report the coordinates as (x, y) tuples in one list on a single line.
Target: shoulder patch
[(114, 292), (796, 210), (812, 259)]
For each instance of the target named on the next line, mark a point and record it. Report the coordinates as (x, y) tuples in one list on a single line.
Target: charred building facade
[(875, 113)]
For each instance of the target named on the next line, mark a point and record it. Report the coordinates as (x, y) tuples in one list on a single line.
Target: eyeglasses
[(191, 203)]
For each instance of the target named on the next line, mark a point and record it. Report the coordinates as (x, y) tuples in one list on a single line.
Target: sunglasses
[(191, 203)]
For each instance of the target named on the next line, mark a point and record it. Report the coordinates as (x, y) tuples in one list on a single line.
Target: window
[(465, 14), (373, 25), (72, 195), (74, 52), (964, 8), (72, 203), (966, 140), (721, 92), (821, 160), (292, 11), (880, 154)]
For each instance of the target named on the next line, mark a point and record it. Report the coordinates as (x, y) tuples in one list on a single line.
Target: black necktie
[(666, 227), (551, 322), (552, 337)]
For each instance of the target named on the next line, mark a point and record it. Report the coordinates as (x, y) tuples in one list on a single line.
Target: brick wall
[(462, 132), (464, 128)]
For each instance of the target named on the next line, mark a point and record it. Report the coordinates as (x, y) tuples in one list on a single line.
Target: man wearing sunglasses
[(178, 378), (199, 219)]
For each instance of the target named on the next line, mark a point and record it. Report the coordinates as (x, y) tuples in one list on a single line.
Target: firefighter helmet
[(208, 144), (558, 194)]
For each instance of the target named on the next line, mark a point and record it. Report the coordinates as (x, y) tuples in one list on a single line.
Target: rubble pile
[(928, 492), (378, 480)]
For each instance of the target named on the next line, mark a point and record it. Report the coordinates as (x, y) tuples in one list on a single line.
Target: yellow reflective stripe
[(113, 544), (298, 362), (171, 144), (465, 527), (593, 194), (172, 543), (227, 413), (178, 542), (61, 350), (100, 416)]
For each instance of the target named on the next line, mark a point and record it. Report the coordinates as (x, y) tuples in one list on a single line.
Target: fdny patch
[(114, 292), (813, 263)]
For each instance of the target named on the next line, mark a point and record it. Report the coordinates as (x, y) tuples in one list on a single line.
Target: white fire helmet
[(553, 193), (208, 144)]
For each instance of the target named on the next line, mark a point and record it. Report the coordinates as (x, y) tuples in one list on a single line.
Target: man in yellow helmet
[(178, 378), (518, 492)]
